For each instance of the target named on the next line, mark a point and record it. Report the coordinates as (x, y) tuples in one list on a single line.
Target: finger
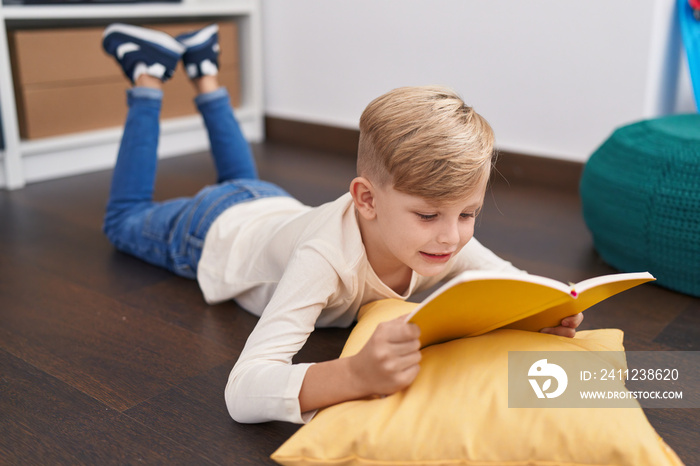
[(403, 331), (395, 366), (401, 380), (394, 323), (408, 375), (406, 347), (560, 331), (573, 321), (411, 359)]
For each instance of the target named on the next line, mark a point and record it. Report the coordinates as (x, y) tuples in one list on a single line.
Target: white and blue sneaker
[(201, 57), (142, 51)]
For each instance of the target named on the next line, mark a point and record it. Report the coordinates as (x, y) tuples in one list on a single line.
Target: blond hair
[(426, 142)]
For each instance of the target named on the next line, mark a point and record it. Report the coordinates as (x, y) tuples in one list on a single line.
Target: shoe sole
[(158, 38), (200, 37)]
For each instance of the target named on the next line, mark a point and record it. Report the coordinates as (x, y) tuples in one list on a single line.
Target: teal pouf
[(640, 193)]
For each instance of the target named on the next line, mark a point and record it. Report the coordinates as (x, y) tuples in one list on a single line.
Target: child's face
[(421, 234)]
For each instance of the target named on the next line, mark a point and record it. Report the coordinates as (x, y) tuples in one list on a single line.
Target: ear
[(363, 195)]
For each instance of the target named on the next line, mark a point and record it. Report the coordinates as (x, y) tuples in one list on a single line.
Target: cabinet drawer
[(66, 83)]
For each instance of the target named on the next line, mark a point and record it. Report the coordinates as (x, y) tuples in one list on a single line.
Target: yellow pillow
[(456, 412)]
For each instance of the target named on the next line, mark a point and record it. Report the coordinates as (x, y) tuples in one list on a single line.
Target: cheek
[(399, 231), (412, 235), (467, 232)]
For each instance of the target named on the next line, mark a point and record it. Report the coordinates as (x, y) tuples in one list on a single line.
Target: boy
[(407, 223)]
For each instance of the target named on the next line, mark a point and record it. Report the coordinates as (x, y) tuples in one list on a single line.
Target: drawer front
[(66, 83)]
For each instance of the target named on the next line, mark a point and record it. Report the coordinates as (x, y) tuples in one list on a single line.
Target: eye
[(467, 215), (426, 217)]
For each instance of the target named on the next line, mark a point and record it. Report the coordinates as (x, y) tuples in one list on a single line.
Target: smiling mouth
[(436, 257)]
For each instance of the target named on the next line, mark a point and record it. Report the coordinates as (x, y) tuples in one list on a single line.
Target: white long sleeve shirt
[(297, 268)]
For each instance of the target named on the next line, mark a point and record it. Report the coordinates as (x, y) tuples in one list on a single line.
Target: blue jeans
[(171, 234)]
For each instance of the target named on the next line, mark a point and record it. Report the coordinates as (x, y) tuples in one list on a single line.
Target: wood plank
[(680, 429), (116, 353), (683, 333), (45, 421), (194, 414), (53, 242), (225, 324), (311, 176)]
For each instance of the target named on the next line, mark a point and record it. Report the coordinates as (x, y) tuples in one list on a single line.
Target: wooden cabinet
[(65, 83), (62, 97)]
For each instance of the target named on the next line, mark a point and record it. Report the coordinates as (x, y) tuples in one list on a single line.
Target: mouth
[(436, 258)]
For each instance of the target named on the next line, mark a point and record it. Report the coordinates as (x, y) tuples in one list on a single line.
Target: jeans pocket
[(162, 217), (186, 257)]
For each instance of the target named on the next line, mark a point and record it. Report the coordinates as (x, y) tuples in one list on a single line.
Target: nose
[(449, 233)]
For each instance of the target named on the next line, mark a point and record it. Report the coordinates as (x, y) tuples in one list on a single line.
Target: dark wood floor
[(107, 360)]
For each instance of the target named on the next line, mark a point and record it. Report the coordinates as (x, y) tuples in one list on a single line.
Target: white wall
[(553, 77)]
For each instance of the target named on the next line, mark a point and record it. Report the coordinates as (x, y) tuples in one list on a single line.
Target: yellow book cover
[(476, 302)]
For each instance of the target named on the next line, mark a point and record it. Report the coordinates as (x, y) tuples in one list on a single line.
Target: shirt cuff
[(294, 383)]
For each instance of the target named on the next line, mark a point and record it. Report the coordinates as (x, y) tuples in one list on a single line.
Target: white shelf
[(28, 161), (246, 117), (135, 11), (97, 150)]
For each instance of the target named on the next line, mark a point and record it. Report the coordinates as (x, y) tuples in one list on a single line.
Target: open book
[(476, 302)]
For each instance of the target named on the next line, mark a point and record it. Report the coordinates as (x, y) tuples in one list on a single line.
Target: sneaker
[(140, 50), (201, 57)]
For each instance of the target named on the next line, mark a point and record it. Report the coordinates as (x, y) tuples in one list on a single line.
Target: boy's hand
[(389, 360), (568, 326)]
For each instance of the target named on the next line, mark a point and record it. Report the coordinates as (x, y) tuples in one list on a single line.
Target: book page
[(584, 285)]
